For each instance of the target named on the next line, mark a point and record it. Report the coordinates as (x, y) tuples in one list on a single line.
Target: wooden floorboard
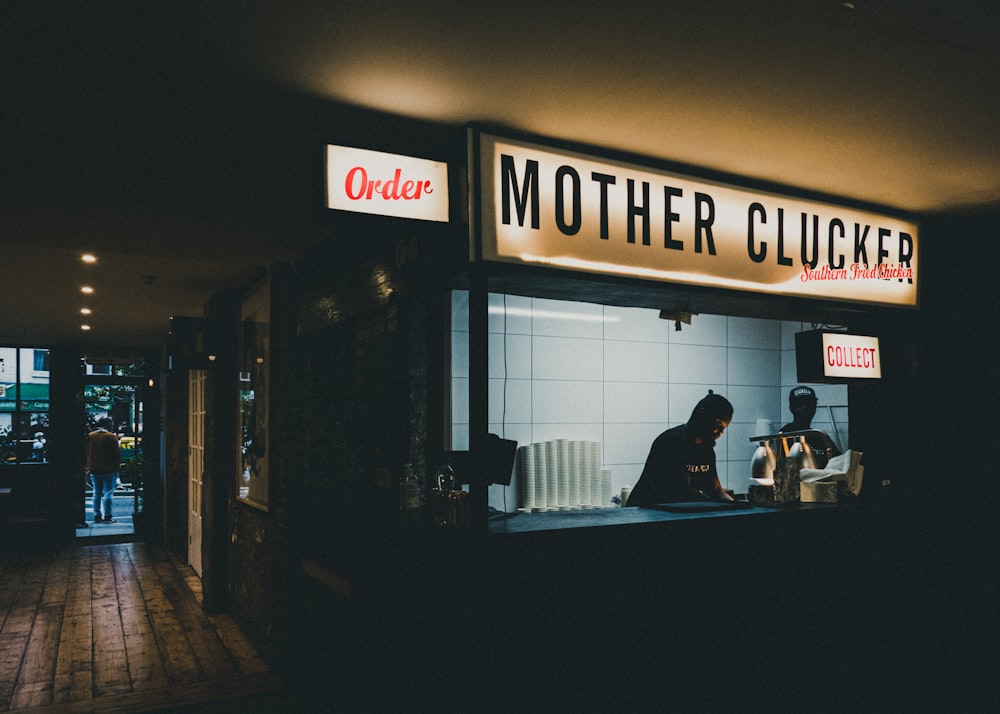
[(74, 662), (116, 627)]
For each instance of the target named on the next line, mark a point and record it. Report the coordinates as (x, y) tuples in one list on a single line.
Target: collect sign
[(851, 356), (366, 181), (837, 357), (576, 212)]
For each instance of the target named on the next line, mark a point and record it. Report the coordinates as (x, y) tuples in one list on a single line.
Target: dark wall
[(368, 376), (960, 312), (174, 486), (348, 397)]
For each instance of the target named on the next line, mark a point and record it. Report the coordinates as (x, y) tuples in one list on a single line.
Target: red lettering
[(349, 183), (857, 357), (358, 186), (393, 192)]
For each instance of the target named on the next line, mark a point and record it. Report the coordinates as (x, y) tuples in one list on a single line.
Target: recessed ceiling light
[(87, 290), (85, 311), (88, 258), (85, 328)]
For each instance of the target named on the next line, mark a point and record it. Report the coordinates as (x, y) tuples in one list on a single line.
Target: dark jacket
[(103, 456)]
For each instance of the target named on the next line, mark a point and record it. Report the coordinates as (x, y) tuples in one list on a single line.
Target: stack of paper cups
[(585, 471), (551, 475), (541, 485), (562, 464), (526, 469), (594, 472), (575, 473), (606, 487)]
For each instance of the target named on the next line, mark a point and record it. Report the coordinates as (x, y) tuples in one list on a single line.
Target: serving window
[(602, 382)]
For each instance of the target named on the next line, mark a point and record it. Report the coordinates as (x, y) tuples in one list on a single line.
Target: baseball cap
[(801, 393)]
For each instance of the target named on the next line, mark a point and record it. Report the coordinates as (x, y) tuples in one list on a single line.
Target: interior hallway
[(118, 627)]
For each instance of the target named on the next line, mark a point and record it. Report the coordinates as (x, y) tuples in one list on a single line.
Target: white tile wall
[(636, 361), (620, 376), (567, 358)]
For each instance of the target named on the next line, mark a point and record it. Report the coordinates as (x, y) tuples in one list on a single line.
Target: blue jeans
[(104, 489)]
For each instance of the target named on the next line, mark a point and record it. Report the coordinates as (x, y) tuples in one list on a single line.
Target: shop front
[(460, 405), (606, 297)]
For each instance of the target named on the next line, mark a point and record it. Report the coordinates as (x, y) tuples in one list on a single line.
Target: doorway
[(196, 464), (117, 398)]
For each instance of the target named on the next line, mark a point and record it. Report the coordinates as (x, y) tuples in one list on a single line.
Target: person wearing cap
[(802, 403), (681, 461)]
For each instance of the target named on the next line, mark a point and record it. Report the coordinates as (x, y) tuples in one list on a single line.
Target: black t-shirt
[(676, 469)]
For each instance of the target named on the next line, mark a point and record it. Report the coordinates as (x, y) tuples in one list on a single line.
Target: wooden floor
[(116, 627)]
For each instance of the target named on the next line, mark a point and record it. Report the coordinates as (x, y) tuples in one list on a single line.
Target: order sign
[(851, 356), (383, 184)]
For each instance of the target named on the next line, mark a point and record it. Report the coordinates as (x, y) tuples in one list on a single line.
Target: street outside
[(122, 506)]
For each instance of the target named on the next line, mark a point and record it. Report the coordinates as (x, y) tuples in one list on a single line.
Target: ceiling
[(146, 132)]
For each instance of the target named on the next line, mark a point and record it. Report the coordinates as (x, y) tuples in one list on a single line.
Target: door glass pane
[(24, 405)]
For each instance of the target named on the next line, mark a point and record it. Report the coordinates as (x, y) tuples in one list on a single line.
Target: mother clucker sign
[(573, 211), (383, 184)]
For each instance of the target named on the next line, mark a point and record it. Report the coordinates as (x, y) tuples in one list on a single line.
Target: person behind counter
[(802, 403), (681, 461)]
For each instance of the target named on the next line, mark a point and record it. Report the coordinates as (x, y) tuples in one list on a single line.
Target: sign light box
[(824, 356), (568, 210), (383, 184)]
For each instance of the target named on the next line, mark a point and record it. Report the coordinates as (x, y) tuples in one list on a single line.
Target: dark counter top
[(604, 517), (523, 543)]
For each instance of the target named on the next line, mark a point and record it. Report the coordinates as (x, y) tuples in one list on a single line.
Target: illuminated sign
[(851, 356), (373, 182), (572, 211), (823, 356)]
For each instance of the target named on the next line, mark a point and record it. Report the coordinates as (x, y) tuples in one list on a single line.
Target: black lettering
[(860, 249), (703, 224), (641, 210), (905, 248), (883, 233), (573, 227), (604, 180), (906, 252), (813, 260), (671, 218), (782, 260), (509, 183), (755, 255), (839, 264)]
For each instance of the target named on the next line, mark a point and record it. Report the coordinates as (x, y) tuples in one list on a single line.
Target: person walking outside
[(103, 463)]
